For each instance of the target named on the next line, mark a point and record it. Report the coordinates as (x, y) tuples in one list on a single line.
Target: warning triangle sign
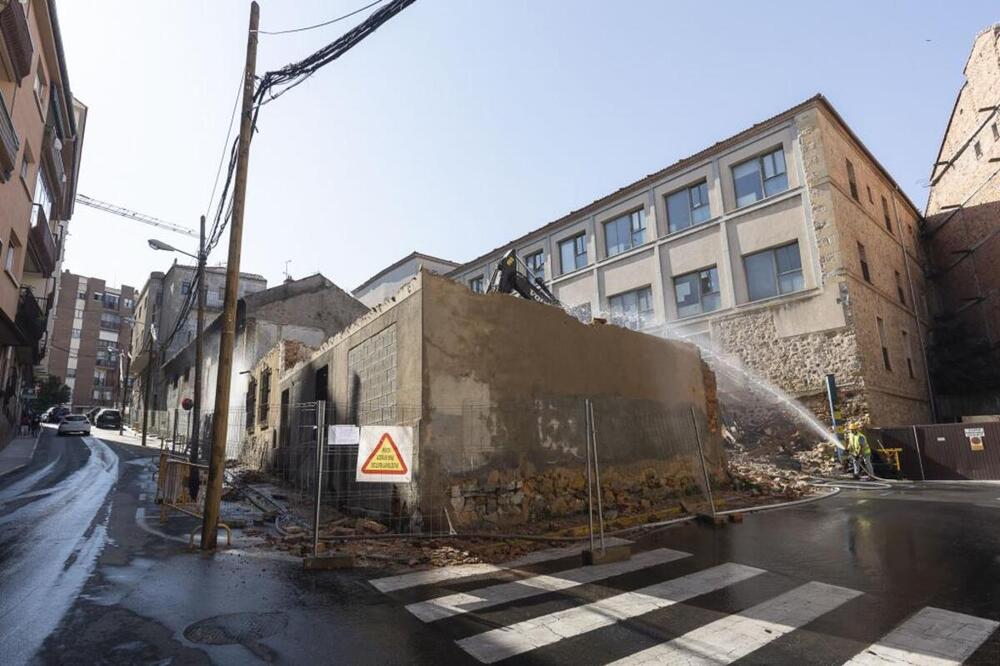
[(385, 458)]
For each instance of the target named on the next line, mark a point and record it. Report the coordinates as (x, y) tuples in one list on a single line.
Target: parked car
[(108, 418), (55, 414), (74, 424), (91, 414)]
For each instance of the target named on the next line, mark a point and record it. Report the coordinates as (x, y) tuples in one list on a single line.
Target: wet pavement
[(90, 576)]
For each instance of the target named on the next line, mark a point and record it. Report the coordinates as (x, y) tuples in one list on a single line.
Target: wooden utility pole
[(195, 479), (220, 419)]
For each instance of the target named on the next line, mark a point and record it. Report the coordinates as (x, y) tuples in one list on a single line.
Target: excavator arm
[(512, 275)]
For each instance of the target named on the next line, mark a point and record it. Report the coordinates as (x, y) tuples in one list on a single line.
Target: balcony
[(9, 143), (42, 249), (53, 161), (30, 322), (17, 39)]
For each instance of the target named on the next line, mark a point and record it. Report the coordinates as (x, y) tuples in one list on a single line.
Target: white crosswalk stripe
[(497, 644), (486, 597), (931, 637), (735, 636), (432, 576)]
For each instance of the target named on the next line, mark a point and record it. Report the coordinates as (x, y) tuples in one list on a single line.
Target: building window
[(476, 285), (8, 261), (111, 301), (760, 177), (536, 264), (70, 373), (251, 402), (98, 296), (75, 333), (25, 163), (42, 199), (573, 253), (632, 309), (899, 288), (882, 341), (688, 207), (185, 287), (265, 396), (128, 303), (81, 295), (697, 292), (110, 321), (774, 271), (885, 215), (870, 200), (78, 314), (978, 147), (852, 181), (101, 378), (863, 258), (909, 354), (624, 233)]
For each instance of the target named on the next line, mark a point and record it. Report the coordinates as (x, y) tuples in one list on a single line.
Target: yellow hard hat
[(853, 425)]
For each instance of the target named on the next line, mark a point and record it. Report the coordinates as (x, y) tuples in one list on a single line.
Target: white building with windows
[(757, 245)]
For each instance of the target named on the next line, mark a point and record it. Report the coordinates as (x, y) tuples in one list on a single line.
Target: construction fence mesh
[(520, 466)]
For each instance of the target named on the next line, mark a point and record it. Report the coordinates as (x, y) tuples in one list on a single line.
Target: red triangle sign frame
[(378, 447)]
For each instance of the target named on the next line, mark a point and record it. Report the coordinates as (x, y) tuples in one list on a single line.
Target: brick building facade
[(91, 338)]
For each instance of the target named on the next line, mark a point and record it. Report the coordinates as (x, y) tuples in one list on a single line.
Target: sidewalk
[(17, 454)]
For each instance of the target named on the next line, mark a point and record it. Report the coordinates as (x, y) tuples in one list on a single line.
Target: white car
[(74, 424)]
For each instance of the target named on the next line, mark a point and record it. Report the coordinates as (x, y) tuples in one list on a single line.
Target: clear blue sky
[(463, 124)]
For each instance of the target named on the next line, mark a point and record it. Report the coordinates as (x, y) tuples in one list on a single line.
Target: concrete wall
[(505, 380)]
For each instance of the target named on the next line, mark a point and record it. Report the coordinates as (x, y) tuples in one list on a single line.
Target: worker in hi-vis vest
[(860, 452)]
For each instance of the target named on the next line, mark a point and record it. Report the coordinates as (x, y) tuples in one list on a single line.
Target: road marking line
[(431, 576), (456, 604), (497, 644), (735, 636), (931, 636)]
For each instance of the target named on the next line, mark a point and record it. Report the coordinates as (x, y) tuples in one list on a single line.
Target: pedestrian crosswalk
[(494, 612)]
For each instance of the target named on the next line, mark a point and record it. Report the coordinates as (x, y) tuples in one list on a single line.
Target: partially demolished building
[(494, 388)]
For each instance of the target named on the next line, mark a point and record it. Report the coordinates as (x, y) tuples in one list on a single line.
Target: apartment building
[(41, 135), (91, 338), (786, 246), (962, 238), (387, 281), (160, 312)]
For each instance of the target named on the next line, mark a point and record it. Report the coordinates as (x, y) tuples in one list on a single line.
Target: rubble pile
[(760, 477)]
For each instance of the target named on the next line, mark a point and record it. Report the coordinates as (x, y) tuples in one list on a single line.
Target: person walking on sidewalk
[(36, 424), (25, 424)]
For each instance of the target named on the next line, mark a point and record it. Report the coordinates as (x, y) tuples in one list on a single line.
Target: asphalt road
[(874, 576), (53, 525)]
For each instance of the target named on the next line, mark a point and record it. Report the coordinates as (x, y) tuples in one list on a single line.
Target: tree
[(52, 392)]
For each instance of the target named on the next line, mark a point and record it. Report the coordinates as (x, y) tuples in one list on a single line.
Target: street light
[(194, 481), (160, 245)]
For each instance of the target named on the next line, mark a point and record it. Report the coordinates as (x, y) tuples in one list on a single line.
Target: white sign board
[(385, 454), (343, 435)]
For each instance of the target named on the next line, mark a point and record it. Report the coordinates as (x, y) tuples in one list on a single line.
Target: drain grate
[(236, 628)]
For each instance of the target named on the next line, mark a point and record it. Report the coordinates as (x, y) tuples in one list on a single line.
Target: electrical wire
[(270, 86), (320, 25), (229, 133)]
